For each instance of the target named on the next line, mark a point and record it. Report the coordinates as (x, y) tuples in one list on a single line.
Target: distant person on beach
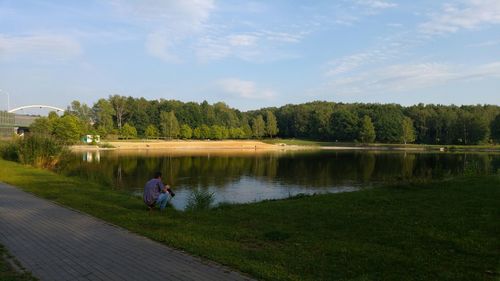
[(157, 193)]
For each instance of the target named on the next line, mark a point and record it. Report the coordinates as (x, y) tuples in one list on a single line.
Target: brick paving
[(56, 243)]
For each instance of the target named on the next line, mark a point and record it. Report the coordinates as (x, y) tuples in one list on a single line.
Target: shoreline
[(258, 146), (190, 145)]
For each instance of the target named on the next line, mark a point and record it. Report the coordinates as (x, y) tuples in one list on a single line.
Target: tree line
[(129, 117)]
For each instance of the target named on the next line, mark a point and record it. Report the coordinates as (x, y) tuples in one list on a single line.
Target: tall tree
[(387, 120), (258, 127), (67, 129), (205, 132), (128, 131), (151, 132), (119, 104), (103, 115), (272, 124), (472, 129), (169, 125), (138, 114), (80, 110), (408, 133), (367, 130), (186, 132), (197, 133), (42, 126), (216, 132), (495, 129), (344, 125)]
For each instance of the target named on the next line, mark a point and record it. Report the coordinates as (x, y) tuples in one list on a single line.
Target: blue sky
[(250, 54)]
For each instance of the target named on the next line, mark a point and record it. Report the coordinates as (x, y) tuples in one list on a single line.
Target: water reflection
[(91, 156), (258, 176)]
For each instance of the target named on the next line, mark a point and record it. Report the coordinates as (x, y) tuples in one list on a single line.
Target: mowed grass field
[(446, 230)]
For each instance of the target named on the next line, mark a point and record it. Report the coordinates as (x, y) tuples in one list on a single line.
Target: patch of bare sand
[(191, 145)]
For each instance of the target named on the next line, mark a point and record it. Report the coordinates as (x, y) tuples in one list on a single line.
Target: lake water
[(255, 176)]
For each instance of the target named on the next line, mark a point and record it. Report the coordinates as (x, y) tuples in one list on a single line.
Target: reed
[(36, 150), (200, 199)]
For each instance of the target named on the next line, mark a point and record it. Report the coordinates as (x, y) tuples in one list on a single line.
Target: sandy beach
[(190, 145)]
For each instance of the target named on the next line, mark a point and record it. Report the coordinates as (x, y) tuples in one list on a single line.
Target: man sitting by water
[(156, 193)]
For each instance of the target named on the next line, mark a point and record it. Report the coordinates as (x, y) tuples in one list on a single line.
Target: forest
[(128, 117)]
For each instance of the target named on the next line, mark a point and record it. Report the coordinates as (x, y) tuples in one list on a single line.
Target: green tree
[(495, 129), (247, 131), (67, 130), (80, 110), (236, 133), (103, 112), (472, 128), (272, 124), (128, 131), (197, 133), (119, 104), (408, 134), (344, 125), (205, 132), (258, 127), (186, 131), (151, 132), (367, 130), (42, 126), (216, 132), (138, 114), (387, 120), (169, 125)]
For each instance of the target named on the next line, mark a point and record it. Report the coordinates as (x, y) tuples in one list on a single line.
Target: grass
[(302, 142), (7, 272), (445, 230)]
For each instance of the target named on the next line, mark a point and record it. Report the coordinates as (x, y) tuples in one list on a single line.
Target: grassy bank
[(487, 147), (437, 231), (7, 271)]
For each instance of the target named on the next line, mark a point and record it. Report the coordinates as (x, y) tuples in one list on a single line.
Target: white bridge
[(35, 106)]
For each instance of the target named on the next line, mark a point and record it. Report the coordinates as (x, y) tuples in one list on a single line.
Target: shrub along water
[(200, 200), (37, 150)]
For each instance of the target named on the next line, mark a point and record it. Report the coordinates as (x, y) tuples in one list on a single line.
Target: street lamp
[(8, 99)]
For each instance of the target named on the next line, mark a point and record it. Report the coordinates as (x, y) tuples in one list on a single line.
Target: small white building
[(91, 139)]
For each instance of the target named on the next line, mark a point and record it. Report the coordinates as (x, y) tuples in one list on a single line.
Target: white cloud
[(242, 40), (284, 37), (257, 46), (472, 14), (406, 77), (489, 43), (169, 22), (388, 48), (39, 47), (395, 25), (244, 89), (186, 14), (377, 4), (158, 45), (175, 28)]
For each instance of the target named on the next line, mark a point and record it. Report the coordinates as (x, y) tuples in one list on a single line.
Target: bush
[(36, 150), (9, 151), (200, 200)]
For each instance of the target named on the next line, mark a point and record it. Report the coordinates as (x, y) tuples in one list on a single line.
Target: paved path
[(56, 243)]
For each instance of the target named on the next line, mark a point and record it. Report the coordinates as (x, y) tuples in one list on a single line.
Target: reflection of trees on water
[(324, 169)]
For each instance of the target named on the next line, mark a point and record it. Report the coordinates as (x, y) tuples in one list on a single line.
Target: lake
[(240, 177)]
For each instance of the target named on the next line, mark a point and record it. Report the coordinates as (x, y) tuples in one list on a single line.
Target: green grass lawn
[(7, 272), (488, 147), (448, 230)]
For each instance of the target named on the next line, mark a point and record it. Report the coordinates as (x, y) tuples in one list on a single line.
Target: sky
[(250, 54)]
